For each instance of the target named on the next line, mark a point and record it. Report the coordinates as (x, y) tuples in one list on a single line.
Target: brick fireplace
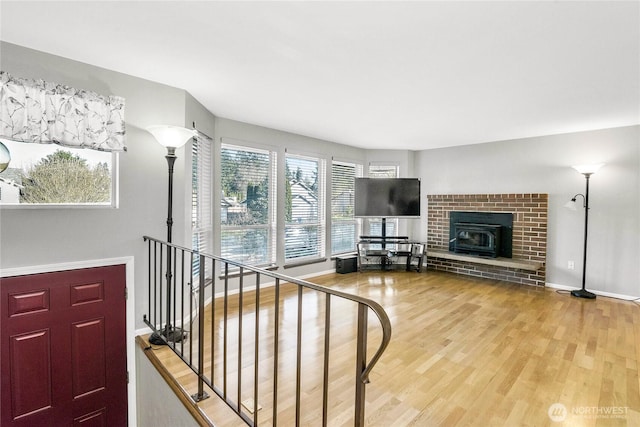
[(529, 241)]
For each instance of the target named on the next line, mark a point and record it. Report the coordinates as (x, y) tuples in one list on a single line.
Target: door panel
[(30, 373), (87, 352), (94, 419), (63, 348)]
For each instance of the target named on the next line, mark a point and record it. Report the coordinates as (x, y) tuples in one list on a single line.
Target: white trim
[(602, 293), (143, 331), (128, 261), (249, 145)]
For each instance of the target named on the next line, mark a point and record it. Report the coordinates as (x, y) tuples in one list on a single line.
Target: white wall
[(543, 165)]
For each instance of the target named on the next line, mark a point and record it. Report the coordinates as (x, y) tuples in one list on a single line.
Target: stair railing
[(175, 328)]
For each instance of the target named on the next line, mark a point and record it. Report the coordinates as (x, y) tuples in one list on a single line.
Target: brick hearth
[(529, 235)]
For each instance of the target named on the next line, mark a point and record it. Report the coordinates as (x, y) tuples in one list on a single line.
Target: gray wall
[(160, 405), (543, 165), (37, 236)]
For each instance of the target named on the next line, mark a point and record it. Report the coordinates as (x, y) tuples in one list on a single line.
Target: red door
[(63, 354)]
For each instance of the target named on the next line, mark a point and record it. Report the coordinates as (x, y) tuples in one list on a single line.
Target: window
[(201, 222), (344, 227), (384, 171), (375, 225), (305, 207), (49, 174), (247, 205)]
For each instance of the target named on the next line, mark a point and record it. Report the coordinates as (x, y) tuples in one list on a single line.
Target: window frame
[(270, 225), (321, 223), (115, 182)]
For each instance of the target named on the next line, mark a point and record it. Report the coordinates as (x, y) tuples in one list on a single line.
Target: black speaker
[(346, 264)]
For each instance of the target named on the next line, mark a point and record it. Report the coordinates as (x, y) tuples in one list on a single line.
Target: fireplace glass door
[(478, 239)]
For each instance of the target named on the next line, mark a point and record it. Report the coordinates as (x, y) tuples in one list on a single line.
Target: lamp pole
[(587, 171), (584, 293), (171, 159), (171, 137)]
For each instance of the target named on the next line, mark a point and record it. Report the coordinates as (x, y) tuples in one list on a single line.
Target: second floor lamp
[(587, 171)]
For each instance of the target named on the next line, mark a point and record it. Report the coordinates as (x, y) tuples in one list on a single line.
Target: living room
[(533, 162)]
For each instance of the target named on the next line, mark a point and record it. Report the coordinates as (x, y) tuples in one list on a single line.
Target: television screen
[(387, 197)]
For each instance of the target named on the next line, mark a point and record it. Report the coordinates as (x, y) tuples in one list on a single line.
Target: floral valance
[(45, 112)]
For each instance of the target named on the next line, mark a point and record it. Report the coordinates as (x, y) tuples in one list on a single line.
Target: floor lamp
[(171, 137), (587, 171)]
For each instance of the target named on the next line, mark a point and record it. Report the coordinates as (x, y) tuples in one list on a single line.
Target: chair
[(417, 254)]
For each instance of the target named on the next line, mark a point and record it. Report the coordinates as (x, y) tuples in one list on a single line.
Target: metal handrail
[(160, 322)]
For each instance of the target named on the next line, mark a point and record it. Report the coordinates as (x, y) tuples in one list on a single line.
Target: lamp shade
[(571, 205), (588, 169), (171, 136)]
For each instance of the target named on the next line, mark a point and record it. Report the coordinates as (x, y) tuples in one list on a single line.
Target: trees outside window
[(247, 213), (46, 174), (304, 207)]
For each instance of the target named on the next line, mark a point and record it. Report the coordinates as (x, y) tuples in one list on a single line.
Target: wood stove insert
[(485, 234)]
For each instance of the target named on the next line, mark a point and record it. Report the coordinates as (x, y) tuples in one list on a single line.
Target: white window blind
[(305, 207), (344, 227), (247, 206), (201, 178)]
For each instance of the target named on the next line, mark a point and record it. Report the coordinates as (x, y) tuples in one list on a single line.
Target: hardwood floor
[(464, 352)]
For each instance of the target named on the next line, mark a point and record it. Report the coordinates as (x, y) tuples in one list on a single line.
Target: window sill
[(236, 272), (15, 206), (344, 255), (305, 262)]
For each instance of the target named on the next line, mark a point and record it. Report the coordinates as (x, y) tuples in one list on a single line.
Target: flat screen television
[(387, 197)]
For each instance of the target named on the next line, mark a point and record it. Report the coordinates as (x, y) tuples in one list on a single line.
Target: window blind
[(344, 227), (247, 206), (305, 207), (201, 197)]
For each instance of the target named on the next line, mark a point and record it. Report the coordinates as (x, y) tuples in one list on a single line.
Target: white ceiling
[(389, 75)]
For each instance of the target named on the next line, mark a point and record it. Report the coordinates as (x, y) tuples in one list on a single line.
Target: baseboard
[(601, 293), (143, 331)]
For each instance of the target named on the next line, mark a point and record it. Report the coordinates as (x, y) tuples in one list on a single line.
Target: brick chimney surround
[(527, 266)]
